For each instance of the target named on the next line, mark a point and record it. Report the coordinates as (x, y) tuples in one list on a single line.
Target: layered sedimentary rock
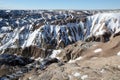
[(60, 33), (67, 45)]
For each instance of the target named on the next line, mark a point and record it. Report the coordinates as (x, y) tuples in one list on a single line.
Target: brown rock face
[(91, 49), (97, 69), (104, 49), (100, 61), (31, 51), (101, 38), (75, 50)]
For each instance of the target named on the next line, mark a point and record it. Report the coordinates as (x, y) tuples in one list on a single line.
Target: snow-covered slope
[(46, 34), (101, 23), (58, 35)]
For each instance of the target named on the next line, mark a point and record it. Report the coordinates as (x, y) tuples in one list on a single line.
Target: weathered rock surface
[(45, 45), (11, 66), (31, 51), (93, 69), (98, 61), (75, 50), (13, 60)]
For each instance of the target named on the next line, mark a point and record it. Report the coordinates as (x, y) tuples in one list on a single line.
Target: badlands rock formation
[(59, 45)]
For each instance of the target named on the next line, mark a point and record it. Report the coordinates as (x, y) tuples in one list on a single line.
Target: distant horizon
[(59, 4), (61, 9)]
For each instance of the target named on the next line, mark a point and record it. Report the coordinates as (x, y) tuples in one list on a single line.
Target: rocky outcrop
[(31, 51), (13, 71), (104, 49), (11, 66), (100, 68), (100, 61), (101, 38), (75, 50), (94, 60), (88, 50), (13, 60), (36, 52)]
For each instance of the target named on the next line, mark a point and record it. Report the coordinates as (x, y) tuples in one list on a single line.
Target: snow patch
[(84, 77), (97, 50), (73, 61), (32, 58), (39, 59), (30, 78), (118, 53), (102, 71), (119, 66), (100, 32), (79, 58), (19, 72), (76, 74), (55, 53)]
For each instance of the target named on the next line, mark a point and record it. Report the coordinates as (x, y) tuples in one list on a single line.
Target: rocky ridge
[(56, 33), (53, 45)]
